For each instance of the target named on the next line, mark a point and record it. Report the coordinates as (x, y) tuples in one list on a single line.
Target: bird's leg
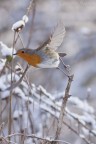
[(67, 67), (63, 72)]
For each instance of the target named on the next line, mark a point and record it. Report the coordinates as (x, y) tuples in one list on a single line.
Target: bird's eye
[(22, 51)]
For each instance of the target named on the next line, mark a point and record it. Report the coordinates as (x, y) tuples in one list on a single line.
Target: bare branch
[(62, 112), (32, 23)]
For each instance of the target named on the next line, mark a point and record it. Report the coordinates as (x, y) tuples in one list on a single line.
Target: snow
[(2, 83), (89, 119), (89, 90), (5, 50), (17, 113), (25, 123), (94, 131), (2, 63), (40, 88), (25, 18), (5, 94), (85, 30), (81, 104), (28, 141), (82, 136), (85, 131), (18, 25)]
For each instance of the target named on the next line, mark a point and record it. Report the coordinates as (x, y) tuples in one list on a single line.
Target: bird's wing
[(57, 37), (44, 44)]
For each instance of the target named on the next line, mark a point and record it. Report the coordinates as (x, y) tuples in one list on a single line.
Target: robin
[(45, 56)]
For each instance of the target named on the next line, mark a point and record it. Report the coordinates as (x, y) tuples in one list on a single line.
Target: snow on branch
[(17, 26)]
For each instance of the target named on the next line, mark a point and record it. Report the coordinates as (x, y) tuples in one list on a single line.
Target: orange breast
[(33, 59)]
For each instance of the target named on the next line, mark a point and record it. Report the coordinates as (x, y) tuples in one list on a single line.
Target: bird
[(45, 56)]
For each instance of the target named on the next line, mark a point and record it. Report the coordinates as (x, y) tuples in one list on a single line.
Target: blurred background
[(79, 17)]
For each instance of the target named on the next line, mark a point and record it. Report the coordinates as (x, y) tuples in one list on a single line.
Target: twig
[(73, 130), (32, 23), (29, 7), (3, 109), (3, 69), (62, 71), (66, 66), (35, 136), (21, 40), (62, 112), (3, 138), (78, 121)]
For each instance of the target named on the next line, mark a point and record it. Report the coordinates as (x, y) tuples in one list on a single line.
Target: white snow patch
[(5, 50), (82, 104), (18, 24), (25, 18), (17, 113)]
